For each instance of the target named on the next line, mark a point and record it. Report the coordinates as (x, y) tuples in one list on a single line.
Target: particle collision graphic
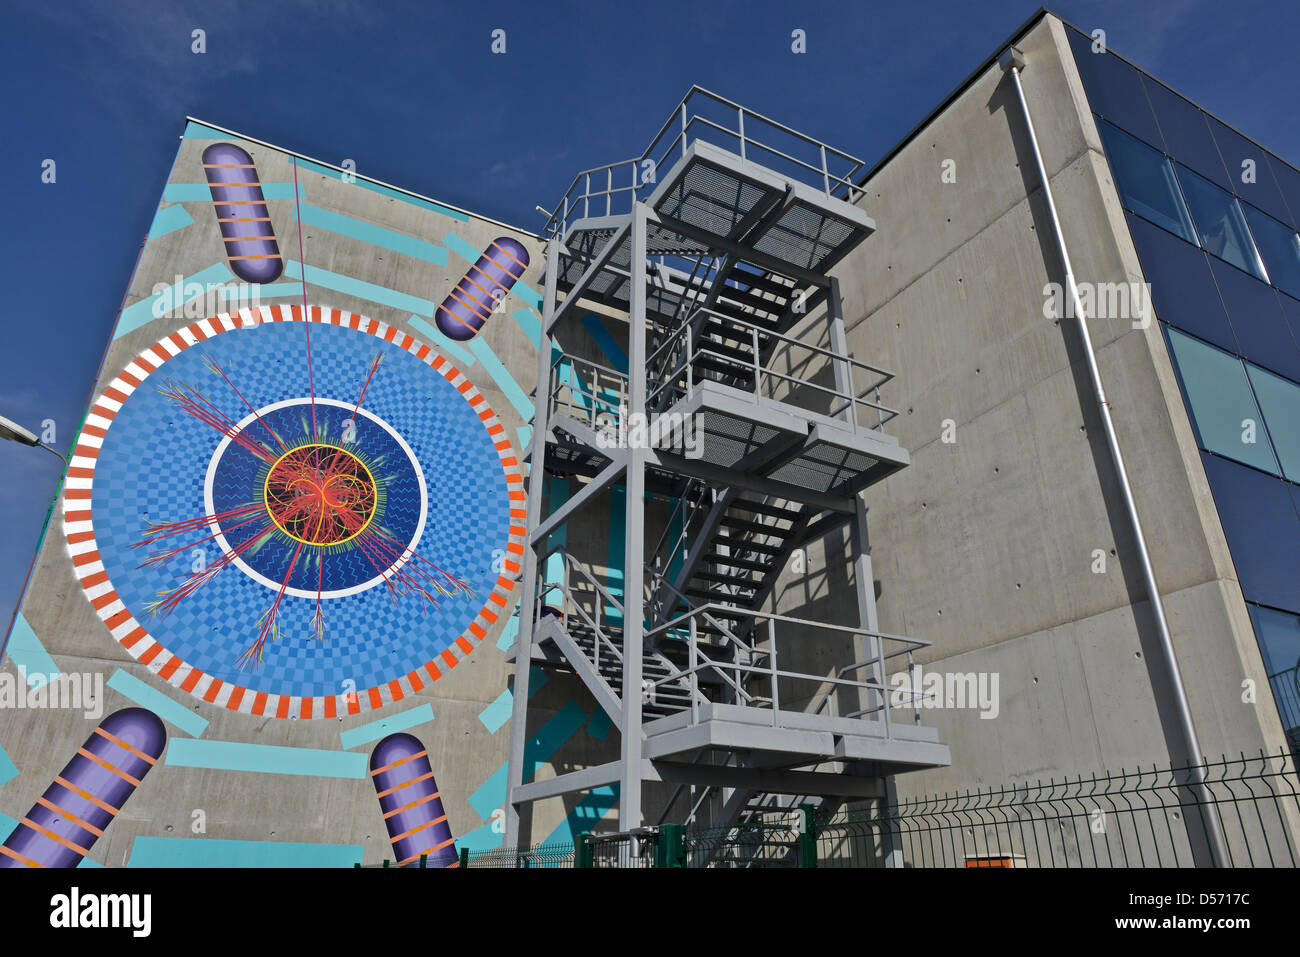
[(409, 798), (87, 794), (476, 296), (242, 214)]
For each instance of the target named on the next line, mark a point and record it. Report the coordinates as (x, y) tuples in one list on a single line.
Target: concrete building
[(1094, 539)]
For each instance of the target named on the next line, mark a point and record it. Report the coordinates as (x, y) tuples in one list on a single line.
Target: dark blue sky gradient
[(412, 93)]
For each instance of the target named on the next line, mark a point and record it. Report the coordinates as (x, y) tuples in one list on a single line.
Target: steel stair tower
[(712, 251)]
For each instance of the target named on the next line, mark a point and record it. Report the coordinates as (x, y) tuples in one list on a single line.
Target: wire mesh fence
[(1145, 817)]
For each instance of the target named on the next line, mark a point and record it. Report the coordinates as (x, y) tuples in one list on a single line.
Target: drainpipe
[(1012, 61)]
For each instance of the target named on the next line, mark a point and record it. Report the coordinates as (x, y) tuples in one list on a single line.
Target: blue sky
[(413, 94)]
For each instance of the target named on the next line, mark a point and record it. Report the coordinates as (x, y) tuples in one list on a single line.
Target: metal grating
[(711, 199), (805, 237), (823, 467), (727, 440)]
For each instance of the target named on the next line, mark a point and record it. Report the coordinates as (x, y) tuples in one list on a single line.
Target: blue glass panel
[(1187, 134), (1278, 246), (1263, 334), (1235, 150), (1279, 403), (1223, 408), (1278, 634), (1145, 181), (1288, 181), (1259, 520), (1182, 286), (1115, 90), (1219, 222)]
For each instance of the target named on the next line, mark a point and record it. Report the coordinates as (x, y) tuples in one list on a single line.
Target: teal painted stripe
[(374, 235), (498, 712), (276, 290), (599, 725), (168, 219), (431, 332), (512, 390), (528, 294), (359, 288), (596, 804), (8, 770), (392, 724), (483, 838), (605, 340), (265, 758), (164, 706), (530, 324), (210, 852), (537, 751), (139, 313), (386, 191), (27, 652), (525, 435), (509, 633), (200, 131), (558, 490), (199, 192)]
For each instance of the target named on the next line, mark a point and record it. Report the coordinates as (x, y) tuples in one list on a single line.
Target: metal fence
[(1140, 818)]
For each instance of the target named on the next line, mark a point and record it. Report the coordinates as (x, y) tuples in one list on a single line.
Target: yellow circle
[(266, 485)]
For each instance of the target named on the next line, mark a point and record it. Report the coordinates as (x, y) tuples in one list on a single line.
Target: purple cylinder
[(468, 306), (66, 820), (245, 221), (408, 797)]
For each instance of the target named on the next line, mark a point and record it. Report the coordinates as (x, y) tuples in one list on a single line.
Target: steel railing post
[(771, 657)]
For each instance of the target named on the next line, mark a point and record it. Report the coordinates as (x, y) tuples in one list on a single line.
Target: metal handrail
[(594, 395), (697, 346), (580, 192)]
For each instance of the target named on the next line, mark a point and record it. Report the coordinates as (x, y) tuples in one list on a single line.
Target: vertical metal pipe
[(1168, 659)]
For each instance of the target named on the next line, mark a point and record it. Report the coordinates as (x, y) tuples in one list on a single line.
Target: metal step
[(763, 508), (714, 558)]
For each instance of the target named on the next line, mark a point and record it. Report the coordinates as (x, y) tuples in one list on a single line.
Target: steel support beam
[(769, 782), (524, 639), (631, 743)]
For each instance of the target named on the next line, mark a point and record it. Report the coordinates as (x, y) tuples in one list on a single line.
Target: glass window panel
[(1236, 150), (1278, 634), (1219, 222), (1279, 402), (1259, 520), (1263, 335), (1182, 286), (1187, 134), (1220, 399), (1145, 181), (1288, 181), (1115, 89), (1278, 246)]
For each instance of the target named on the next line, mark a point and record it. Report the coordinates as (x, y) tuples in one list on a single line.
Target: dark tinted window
[(1187, 134), (1219, 222), (1182, 286), (1145, 181), (1278, 634), (1278, 246), (1115, 89), (1263, 532), (1235, 150), (1263, 335), (1288, 180)]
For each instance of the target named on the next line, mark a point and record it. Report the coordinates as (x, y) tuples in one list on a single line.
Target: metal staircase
[(715, 247)]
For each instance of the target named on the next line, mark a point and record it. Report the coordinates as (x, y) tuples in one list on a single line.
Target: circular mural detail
[(295, 519)]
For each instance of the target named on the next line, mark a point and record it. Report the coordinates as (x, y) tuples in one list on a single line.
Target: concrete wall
[(986, 545)]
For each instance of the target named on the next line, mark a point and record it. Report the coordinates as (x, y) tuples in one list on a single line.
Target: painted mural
[(294, 512)]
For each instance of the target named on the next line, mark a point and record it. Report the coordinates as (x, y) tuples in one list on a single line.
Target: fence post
[(464, 857), (582, 853), (670, 846), (807, 836)]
